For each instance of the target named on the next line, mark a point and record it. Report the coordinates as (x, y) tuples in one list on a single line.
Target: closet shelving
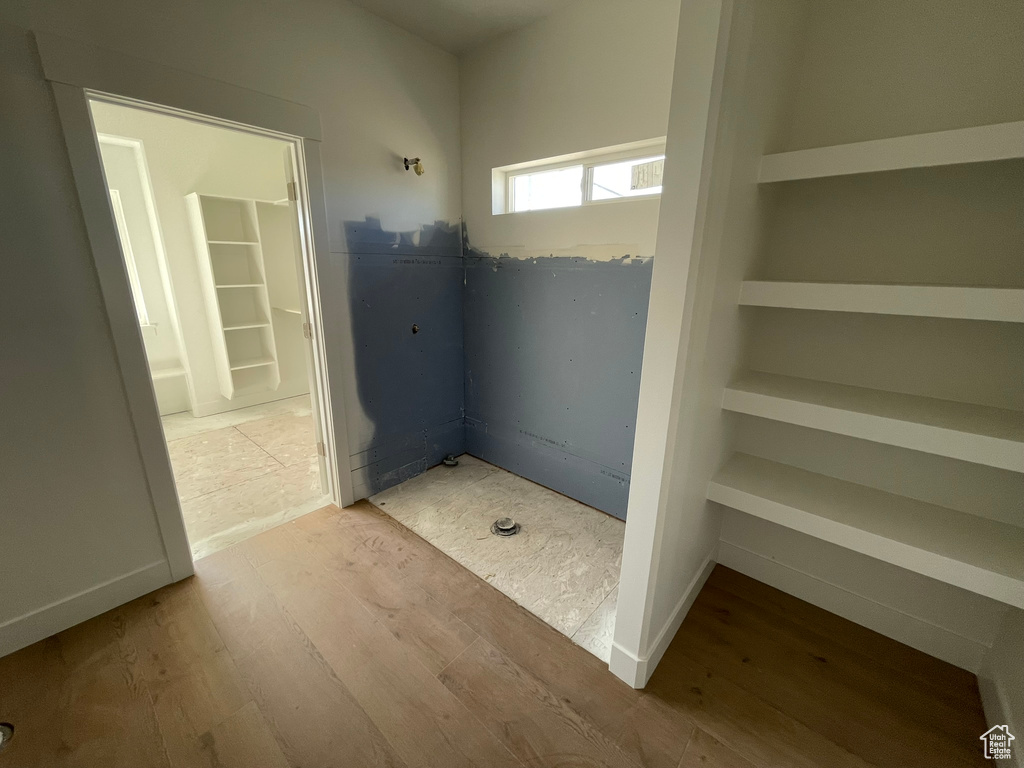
[(975, 433), (980, 555), (233, 274), (979, 144), (976, 553), (953, 302)]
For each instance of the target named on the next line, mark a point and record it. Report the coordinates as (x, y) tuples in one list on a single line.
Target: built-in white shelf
[(955, 302), (169, 372), (246, 326), (984, 143), (289, 310), (257, 362), (977, 554), (975, 433), (239, 316)]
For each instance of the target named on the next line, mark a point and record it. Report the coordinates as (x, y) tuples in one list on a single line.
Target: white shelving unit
[(971, 552), (233, 275), (972, 535), (984, 143), (955, 302), (975, 433)]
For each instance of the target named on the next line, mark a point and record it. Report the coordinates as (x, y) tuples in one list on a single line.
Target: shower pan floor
[(562, 566)]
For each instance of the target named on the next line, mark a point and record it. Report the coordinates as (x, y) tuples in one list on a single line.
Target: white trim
[(315, 240), (87, 169), (41, 623), (996, 706), (84, 66), (942, 643), (636, 670), (73, 70), (663, 442)]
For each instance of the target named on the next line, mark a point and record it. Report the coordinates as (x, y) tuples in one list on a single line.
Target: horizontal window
[(556, 188), (615, 173), (626, 178)]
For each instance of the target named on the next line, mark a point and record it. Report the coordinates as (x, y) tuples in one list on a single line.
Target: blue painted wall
[(410, 384), (553, 348), (530, 364)]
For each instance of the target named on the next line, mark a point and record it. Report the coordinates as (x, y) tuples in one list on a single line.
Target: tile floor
[(563, 566), (242, 472)]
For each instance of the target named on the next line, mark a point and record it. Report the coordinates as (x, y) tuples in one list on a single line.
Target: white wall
[(74, 504), (186, 157), (595, 74), (75, 510)]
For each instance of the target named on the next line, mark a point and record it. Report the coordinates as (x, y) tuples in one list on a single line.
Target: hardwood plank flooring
[(343, 639)]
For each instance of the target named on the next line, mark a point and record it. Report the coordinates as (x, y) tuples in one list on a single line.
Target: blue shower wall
[(553, 349), (530, 364), (410, 385)]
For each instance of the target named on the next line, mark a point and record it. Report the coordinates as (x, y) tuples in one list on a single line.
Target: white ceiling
[(457, 25)]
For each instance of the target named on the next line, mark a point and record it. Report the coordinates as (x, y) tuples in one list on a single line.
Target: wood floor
[(342, 639)]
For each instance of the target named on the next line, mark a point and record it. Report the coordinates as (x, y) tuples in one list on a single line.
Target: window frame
[(503, 179)]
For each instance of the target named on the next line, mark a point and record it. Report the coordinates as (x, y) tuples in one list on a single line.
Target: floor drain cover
[(505, 526), (6, 732)]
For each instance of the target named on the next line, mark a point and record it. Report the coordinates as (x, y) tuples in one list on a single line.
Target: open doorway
[(210, 228)]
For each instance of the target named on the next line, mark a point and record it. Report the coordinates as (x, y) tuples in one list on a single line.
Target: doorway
[(210, 228)]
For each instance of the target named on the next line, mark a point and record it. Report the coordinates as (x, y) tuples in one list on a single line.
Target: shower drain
[(505, 526)]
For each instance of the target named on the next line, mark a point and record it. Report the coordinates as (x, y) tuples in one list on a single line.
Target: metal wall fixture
[(414, 164), (6, 734)]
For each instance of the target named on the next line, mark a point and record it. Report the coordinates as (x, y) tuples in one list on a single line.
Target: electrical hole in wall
[(212, 244)]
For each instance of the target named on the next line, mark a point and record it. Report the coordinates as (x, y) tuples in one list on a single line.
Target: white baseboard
[(997, 712), (39, 624), (636, 670), (910, 630), (223, 405)]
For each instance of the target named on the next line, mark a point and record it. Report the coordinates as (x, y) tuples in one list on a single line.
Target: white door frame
[(77, 72)]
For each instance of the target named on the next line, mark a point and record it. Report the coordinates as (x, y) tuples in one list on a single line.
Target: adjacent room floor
[(563, 565), (343, 639), (243, 471)]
